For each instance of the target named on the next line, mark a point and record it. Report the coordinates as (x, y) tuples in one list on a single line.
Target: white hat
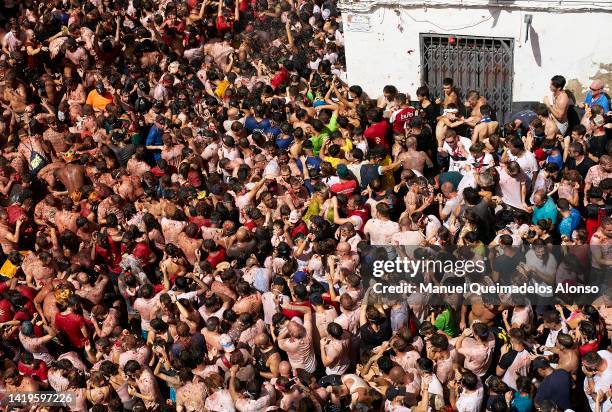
[(226, 343)]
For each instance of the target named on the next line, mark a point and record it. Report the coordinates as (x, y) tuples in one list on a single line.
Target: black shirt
[(124, 153), (506, 266), (597, 145), (582, 168), (371, 339)]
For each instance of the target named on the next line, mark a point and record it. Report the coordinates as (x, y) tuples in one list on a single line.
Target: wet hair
[(558, 81)]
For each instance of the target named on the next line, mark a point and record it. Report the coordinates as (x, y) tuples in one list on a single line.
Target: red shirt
[(112, 255), (377, 134), (218, 258), (223, 24), (293, 313), (299, 228), (24, 290), (250, 225), (200, 221), (401, 117), (70, 326), (345, 187), (589, 347), (6, 311), (279, 78), (40, 372)]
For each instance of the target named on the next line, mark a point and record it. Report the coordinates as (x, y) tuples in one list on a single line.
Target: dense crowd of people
[(192, 198)]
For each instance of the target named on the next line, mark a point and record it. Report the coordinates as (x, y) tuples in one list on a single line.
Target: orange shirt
[(98, 101)]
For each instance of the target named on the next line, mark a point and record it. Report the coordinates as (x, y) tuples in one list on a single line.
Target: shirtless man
[(480, 312), (473, 104), (15, 93), (550, 126), (450, 94), (66, 217), (45, 301), (92, 293), (449, 120), (41, 269), (9, 238), (569, 358), (72, 177), (14, 382), (129, 187), (190, 242), (414, 159), (485, 127), (244, 244), (559, 104)]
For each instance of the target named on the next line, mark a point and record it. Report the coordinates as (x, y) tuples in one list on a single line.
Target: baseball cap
[(300, 277), (342, 171), (226, 343)]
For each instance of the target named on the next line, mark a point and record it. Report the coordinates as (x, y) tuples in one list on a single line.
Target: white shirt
[(457, 165), (602, 382), (528, 163), (381, 231), (471, 402)]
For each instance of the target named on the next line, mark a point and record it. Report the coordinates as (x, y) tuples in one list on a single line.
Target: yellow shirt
[(8, 270), (347, 147), (335, 161), (387, 180), (221, 88)]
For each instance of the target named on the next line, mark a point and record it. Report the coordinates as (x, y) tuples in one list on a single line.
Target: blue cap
[(300, 277)]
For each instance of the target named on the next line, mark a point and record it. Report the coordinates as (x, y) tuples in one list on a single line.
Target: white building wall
[(382, 45)]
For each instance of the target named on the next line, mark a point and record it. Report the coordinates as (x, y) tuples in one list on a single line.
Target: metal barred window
[(480, 63)]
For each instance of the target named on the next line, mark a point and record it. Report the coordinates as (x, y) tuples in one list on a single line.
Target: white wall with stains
[(572, 39)]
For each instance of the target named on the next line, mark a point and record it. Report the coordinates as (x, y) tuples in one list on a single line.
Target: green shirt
[(446, 323), (317, 141)]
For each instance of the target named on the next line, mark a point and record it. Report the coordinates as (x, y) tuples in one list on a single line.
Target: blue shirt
[(570, 223), (601, 100), (154, 138), (313, 162), (253, 125), (284, 144), (547, 211), (521, 403)]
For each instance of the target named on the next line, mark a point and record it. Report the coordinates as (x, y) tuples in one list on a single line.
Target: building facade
[(508, 50)]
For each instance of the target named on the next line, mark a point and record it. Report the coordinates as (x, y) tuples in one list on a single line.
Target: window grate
[(479, 63)]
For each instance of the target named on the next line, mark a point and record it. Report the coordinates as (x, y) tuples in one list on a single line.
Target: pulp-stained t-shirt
[(70, 325)]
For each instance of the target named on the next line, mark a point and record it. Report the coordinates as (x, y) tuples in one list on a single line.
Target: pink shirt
[(477, 355), (510, 188)]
